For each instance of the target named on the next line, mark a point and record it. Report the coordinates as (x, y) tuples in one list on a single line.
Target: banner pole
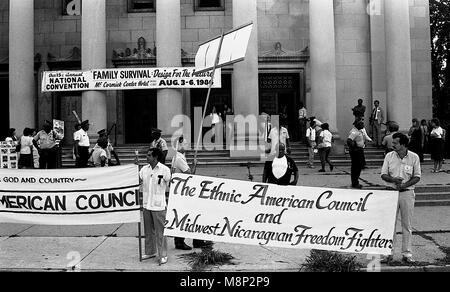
[(140, 243), (206, 103)]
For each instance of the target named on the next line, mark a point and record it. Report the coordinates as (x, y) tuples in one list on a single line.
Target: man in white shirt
[(311, 142), (82, 145), (376, 119), (401, 171), (302, 118), (155, 179)]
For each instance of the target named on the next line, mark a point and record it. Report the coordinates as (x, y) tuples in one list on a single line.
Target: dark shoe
[(408, 260), (331, 167), (183, 246), (322, 170), (387, 260), (357, 186), (148, 256), (202, 244)]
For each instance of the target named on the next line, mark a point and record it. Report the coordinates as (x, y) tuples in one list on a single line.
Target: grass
[(207, 257), (327, 261)]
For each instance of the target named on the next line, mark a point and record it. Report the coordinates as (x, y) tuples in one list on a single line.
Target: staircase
[(299, 152)]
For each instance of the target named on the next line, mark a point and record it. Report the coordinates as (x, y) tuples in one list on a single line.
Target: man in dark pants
[(45, 143), (355, 144), (82, 145)]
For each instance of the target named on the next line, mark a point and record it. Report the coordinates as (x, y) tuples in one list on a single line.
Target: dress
[(437, 145)]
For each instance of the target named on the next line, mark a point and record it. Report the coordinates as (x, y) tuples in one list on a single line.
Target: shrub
[(327, 261)]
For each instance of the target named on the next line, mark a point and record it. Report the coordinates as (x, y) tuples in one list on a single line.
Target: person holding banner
[(45, 143), (155, 178), (401, 171), (280, 170), (82, 145), (180, 165)]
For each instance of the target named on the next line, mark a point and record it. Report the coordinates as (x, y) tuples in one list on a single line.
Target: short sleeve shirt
[(46, 141), (160, 143), (405, 168), (179, 163), (286, 178), (97, 155), (25, 144), (327, 137), (311, 134), (155, 182), (357, 136), (82, 137)]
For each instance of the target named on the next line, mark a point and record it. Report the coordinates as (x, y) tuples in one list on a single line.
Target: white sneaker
[(163, 260)]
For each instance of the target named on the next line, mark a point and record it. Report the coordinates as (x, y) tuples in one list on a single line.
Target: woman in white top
[(437, 145), (215, 119), (325, 146), (26, 149)]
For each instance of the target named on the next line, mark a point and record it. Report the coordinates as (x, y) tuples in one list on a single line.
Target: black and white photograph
[(253, 136)]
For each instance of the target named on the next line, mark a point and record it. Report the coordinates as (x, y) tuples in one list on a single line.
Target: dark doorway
[(218, 98), (278, 91), (140, 115), (4, 108), (67, 102)]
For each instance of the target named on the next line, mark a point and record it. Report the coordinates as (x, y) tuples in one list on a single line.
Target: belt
[(407, 190)]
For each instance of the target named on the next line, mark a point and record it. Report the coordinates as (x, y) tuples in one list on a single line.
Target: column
[(168, 54), (22, 110), (378, 52), (93, 56), (398, 63), (245, 73), (323, 62)]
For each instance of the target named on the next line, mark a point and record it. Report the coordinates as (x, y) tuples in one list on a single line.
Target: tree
[(440, 58)]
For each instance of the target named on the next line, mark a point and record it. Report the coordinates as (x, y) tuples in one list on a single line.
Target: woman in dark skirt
[(437, 145), (415, 141)]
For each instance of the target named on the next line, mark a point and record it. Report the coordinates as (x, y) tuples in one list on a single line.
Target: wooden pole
[(206, 103)]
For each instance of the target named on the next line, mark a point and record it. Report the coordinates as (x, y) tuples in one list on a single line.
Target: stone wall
[(352, 32), (421, 59), (284, 21)]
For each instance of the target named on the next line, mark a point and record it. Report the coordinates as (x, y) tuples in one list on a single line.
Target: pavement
[(115, 247)]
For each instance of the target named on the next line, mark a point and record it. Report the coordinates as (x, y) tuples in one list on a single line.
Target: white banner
[(88, 196), (128, 78), (344, 220)]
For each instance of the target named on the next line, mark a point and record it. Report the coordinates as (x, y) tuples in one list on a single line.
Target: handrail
[(115, 133)]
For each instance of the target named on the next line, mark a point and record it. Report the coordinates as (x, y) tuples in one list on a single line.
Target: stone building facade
[(324, 53)]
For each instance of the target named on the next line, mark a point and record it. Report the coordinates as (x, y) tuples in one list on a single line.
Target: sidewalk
[(115, 247)]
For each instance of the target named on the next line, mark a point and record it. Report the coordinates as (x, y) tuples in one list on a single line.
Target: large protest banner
[(128, 78), (344, 220), (106, 195)]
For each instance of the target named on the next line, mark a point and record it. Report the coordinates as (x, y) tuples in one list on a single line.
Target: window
[(209, 5), (141, 5)]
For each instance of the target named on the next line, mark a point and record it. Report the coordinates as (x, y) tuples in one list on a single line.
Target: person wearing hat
[(99, 157), (46, 144), (109, 148), (81, 144), (160, 143)]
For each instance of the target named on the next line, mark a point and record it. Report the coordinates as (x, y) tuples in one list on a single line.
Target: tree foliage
[(440, 57)]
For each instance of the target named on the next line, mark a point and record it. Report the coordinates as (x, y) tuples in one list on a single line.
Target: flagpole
[(216, 60)]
